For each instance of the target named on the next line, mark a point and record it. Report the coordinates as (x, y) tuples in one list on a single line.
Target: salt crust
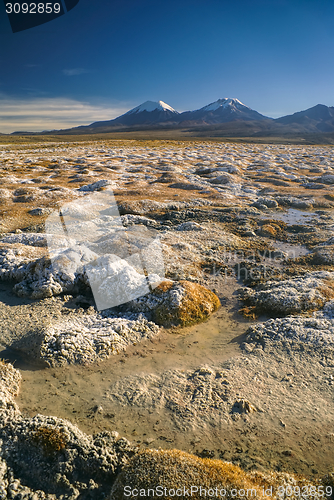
[(297, 332), (85, 340), (293, 295)]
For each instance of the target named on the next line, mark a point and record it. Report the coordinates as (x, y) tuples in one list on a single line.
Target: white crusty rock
[(96, 185), (310, 291), (90, 338), (327, 178), (297, 332), (189, 226), (31, 239)]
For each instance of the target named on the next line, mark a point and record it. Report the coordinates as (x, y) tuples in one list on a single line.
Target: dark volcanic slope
[(319, 118)]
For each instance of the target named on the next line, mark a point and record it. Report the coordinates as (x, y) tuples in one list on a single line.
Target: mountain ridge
[(225, 115)]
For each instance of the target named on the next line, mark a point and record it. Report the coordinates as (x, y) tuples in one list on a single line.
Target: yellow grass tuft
[(196, 306), (50, 439)]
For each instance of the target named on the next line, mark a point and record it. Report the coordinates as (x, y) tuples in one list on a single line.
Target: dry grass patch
[(51, 440), (178, 472), (196, 305)]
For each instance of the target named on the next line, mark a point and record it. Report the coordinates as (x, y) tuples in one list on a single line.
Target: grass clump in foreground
[(175, 470), (51, 440), (196, 305)]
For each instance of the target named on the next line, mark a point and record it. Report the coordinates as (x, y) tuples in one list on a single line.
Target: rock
[(243, 406), (40, 211), (260, 206), (291, 201), (177, 303), (31, 239), (187, 186), (89, 339), (189, 226), (324, 252), (297, 332), (267, 230), (268, 202), (222, 179), (129, 220), (310, 291), (327, 178), (95, 186)]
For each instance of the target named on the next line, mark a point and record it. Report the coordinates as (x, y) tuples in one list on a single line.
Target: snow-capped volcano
[(150, 106), (221, 111), (224, 103), (148, 113)]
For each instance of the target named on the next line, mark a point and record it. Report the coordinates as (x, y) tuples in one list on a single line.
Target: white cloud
[(74, 71), (38, 114)]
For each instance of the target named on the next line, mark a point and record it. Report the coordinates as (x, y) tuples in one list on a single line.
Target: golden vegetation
[(51, 440), (196, 306), (175, 469), (327, 289)]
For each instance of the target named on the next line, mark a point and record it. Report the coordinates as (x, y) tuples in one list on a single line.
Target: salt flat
[(251, 223)]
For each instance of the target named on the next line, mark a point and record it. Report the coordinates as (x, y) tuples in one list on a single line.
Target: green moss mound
[(195, 306)]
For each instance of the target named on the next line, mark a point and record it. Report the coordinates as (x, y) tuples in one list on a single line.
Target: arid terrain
[(247, 379)]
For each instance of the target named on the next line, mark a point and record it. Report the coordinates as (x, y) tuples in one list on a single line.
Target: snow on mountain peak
[(224, 103), (152, 106)]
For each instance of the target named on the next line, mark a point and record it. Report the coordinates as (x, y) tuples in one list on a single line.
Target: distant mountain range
[(319, 118), (224, 117), (154, 113)]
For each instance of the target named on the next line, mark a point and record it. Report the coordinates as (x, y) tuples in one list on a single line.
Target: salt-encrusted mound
[(87, 339), (189, 226), (47, 457), (178, 472), (5, 194), (96, 336), (291, 201), (304, 293), (324, 252), (297, 332), (112, 263), (141, 207), (96, 185), (23, 258), (177, 303), (130, 219), (9, 387)]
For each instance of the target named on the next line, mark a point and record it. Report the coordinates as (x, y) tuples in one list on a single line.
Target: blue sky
[(107, 56)]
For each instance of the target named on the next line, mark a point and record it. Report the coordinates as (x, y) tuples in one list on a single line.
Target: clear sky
[(106, 56)]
